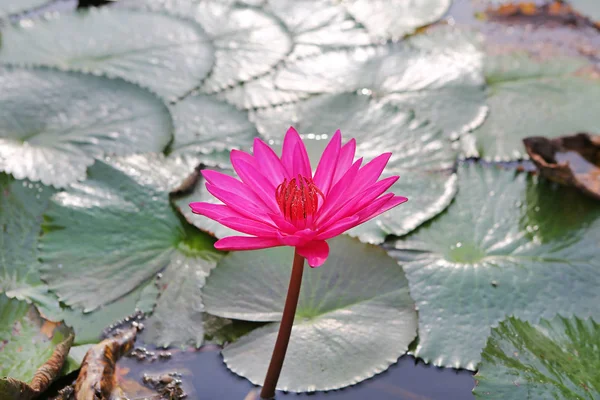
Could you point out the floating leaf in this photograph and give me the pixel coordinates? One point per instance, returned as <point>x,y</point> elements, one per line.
<point>499,250</point>
<point>169,55</point>
<point>396,18</point>
<point>352,321</point>
<point>204,125</point>
<point>590,8</point>
<point>553,359</point>
<point>438,74</point>
<point>9,7</point>
<point>53,124</point>
<point>33,350</point>
<point>110,235</point>
<point>528,98</point>
<point>22,204</point>
<point>569,160</point>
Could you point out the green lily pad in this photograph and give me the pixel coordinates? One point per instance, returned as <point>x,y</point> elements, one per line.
<point>499,250</point>
<point>53,124</point>
<point>439,75</point>
<point>28,343</point>
<point>589,8</point>
<point>9,7</point>
<point>22,204</point>
<point>395,18</point>
<point>354,319</point>
<point>204,125</point>
<point>166,54</point>
<point>528,98</point>
<point>316,25</point>
<point>554,359</point>
<point>109,236</point>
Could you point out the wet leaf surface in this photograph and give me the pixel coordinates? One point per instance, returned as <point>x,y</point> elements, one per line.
<point>499,250</point>
<point>571,160</point>
<point>554,358</point>
<point>130,234</point>
<point>347,329</point>
<point>166,54</point>
<point>9,7</point>
<point>32,352</point>
<point>53,124</point>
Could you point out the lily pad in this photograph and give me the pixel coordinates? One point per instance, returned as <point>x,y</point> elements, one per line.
<point>534,98</point>
<point>396,18</point>
<point>53,124</point>
<point>499,250</point>
<point>204,125</point>
<point>9,7</point>
<point>438,74</point>
<point>552,359</point>
<point>352,322</point>
<point>316,25</point>
<point>112,234</point>
<point>164,53</point>
<point>22,204</point>
<point>29,343</point>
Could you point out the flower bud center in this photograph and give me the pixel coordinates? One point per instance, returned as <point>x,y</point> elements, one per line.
<point>298,199</point>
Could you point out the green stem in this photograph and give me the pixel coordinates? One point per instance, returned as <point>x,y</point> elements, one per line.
<point>285,329</point>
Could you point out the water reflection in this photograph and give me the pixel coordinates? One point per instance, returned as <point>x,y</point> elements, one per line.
<point>206,377</point>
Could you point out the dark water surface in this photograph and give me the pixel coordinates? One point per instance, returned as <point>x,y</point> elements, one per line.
<point>205,377</point>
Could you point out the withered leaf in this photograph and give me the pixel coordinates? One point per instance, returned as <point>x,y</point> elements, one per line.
<point>568,160</point>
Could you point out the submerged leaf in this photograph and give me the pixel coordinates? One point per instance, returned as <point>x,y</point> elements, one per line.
<point>33,351</point>
<point>499,250</point>
<point>166,54</point>
<point>53,124</point>
<point>351,322</point>
<point>554,358</point>
<point>109,236</point>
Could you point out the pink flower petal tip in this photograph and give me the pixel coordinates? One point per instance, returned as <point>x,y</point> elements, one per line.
<point>279,201</point>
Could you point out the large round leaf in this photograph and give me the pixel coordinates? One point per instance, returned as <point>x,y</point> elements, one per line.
<point>112,234</point>
<point>169,55</point>
<point>438,74</point>
<point>396,18</point>
<point>499,250</point>
<point>53,124</point>
<point>555,359</point>
<point>378,126</point>
<point>8,7</point>
<point>22,204</point>
<point>354,317</point>
<point>204,125</point>
<point>28,343</point>
<point>534,98</point>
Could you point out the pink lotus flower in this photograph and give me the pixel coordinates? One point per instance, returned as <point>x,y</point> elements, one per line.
<point>279,202</point>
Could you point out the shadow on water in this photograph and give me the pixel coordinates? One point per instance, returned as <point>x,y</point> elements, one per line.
<point>206,377</point>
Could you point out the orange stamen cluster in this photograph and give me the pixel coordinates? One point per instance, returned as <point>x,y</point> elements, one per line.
<point>298,198</point>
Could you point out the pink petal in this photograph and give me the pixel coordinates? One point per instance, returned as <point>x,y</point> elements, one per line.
<point>361,200</point>
<point>232,185</point>
<point>289,154</point>
<point>344,161</point>
<point>256,182</point>
<point>336,195</point>
<point>339,227</point>
<point>315,252</point>
<point>238,204</point>
<point>380,206</point>
<point>246,243</point>
<point>299,238</point>
<point>369,174</point>
<point>270,164</point>
<point>213,211</point>
<point>240,155</point>
<point>327,165</point>
<point>249,226</point>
